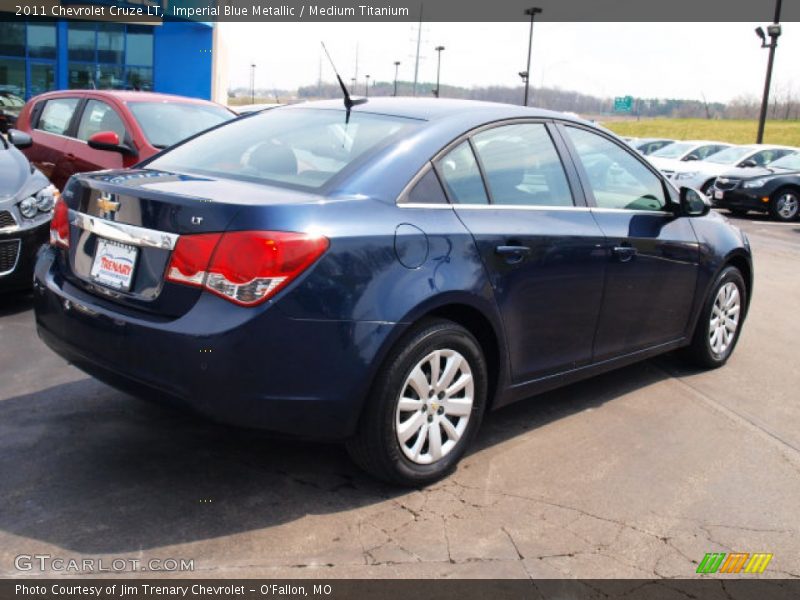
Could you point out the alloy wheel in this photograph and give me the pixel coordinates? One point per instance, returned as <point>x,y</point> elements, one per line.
<point>434,406</point>
<point>786,205</point>
<point>724,318</point>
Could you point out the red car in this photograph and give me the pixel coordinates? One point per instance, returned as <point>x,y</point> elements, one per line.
<point>75,131</point>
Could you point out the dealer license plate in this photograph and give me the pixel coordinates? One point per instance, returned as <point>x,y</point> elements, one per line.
<point>114,264</point>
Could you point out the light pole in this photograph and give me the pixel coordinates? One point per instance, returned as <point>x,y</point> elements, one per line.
<point>353,84</point>
<point>774,32</point>
<point>532,12</point>
<point>438,69</point>
<point>252,84</point>
<point>366,87</point>
<point>396,67</point>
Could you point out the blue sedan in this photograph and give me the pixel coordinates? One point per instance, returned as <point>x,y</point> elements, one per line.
<point>384,275</point>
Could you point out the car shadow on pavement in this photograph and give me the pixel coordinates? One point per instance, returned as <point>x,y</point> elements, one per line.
<point>12,303</point>
<point>94,471</point>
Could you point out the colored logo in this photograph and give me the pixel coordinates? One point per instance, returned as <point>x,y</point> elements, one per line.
<point>107,204</point>
<point>735,562</point>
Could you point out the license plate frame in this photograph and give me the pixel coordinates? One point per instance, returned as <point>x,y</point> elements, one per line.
<point>114,264</point>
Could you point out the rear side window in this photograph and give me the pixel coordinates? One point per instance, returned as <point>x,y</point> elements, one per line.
<point>522,166</point>
<point>298,147</point>
<point>57,115</point>
<point>462,177</point>
<point>616,177</point>
<point>99,116</point>
<point>427,190</point>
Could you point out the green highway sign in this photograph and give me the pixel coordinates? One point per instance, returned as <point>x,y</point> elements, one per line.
<point>623,104</point>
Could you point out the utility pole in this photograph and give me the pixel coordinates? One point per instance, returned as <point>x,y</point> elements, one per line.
<point>774,32</point>
<point>419,42</point>
<point>532,12</point>
<point>366,88</point>
<point>438,69</point>
<point>252,84</point>
<point>396,67</point>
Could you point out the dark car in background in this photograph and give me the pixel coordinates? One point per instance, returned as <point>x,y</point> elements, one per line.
<point>774,189</point>
<point>384,275</point>
<point>77,131</point>
<point>10,107</point>
<point>26,205</point>
<point>647,146</point>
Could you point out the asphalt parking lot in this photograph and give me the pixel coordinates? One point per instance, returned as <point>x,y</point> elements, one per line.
<point>637,473</point>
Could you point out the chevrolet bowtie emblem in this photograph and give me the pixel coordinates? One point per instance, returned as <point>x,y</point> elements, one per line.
<point>106,203</point>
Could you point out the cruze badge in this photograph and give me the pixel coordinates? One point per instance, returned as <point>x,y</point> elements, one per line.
<point>107,204</point>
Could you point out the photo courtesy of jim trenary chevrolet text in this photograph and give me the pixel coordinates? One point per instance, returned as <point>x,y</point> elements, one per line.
<point>432,299</point>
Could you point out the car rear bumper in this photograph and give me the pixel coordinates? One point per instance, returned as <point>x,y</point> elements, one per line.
<point>18,255</point>
<point>251,367</point>
<point>738,199</point>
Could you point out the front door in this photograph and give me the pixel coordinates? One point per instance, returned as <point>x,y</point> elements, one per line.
<point>651,254</point>
<point>542,251</point>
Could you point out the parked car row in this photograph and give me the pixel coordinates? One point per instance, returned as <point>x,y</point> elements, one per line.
<point>757,177</point>
<point>59,134</point>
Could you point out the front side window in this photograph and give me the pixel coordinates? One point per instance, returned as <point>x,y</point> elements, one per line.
<point>297,147</point>
<point>767,156</point>
<point>99,116</point>
<point>522,166</point>
<point>616,177</point>
<point>57,115</point>
<point>462,177</point>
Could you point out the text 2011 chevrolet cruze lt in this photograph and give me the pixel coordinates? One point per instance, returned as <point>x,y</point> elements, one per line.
<point>385,275</point>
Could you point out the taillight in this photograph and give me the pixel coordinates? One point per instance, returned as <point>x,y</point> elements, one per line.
<point>59,225</point>
<point>245,267</point>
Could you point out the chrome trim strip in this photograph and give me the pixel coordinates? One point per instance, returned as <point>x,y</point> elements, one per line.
<point>534,207</point>
<point>16,260</point>
<point>121,232</point>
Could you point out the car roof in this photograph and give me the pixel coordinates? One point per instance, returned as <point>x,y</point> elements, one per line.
<point>432,109</point>
<point>125,96</point>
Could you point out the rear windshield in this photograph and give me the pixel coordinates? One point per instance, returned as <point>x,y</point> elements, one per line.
<point>296,147</point>
<point>167,123</point>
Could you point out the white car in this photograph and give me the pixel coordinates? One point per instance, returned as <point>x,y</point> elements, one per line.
<point>702,174</point>
<point>675,157</point>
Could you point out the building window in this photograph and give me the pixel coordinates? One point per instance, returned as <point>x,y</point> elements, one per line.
<point>110,43</point>
<point>12,76</point>
<point>43,78</point>
<point>12,39</point>
<point>81,41</point>
<point>140,78</point>
<point>42,40</point>
<point>139,49</point>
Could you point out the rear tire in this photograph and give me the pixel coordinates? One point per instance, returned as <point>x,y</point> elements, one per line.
<point>425,407</point>
<point>720,321</point>
<point>784,205</point>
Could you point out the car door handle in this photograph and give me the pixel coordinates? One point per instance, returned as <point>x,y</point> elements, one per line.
<point>624,253</point>
<point>513,254</point>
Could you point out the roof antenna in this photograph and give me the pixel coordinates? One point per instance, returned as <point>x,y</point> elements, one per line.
<point>348,101</point>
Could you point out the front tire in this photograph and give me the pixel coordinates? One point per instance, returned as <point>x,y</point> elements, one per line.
<point>720,322</point>
<point>785,205</point>
<point>425,408</point>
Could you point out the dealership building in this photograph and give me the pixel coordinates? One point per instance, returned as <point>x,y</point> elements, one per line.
<point>171,57</point>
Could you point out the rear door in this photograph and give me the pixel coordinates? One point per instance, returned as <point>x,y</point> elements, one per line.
<point>651,255</point>
<point>50,133</point>
<point>539,243</point>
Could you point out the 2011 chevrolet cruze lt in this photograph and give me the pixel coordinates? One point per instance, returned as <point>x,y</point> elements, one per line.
<point>385,275</point>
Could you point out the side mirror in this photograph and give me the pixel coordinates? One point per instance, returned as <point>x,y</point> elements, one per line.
<point>20,139</point>
<point>108,140</point>
<point>748,163</point>
<point>694,203</point>
<point>692,157</point>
